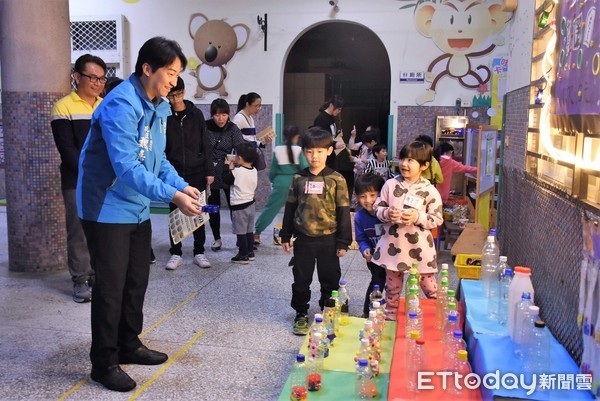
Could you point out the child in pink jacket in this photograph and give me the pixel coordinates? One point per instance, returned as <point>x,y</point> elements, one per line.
<point>410,207</point>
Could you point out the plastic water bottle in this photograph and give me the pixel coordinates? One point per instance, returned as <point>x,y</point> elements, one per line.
<point>538,350</point>
<point>450,326</point>
<point>344,298</point>
<point>365,387</point>
<point>450,352</point>
<point>338,309</point>
<point>505,280</point>
<point>524,326</point>
<point>521,283</point>
<point>453,309</point>
<point>451,297</point>
<point>416,364</point>
<point>520,308</point>
<point>441,305</point>
<point>489,259</point>
<point>412,299</point>
<point>377,318</point>
<point>375,296</point>
<point>413,324</point>
<point>414,305</point>
<point>494,294</point>
<point>409,357</point>
<point>413,272</point>
<point>315,363</point>
<point>462,367</point>
<point>444,271</point>
<point>298,380</point>
<point>364,352</point>
<point>319,327</point>
<point>329,322</point>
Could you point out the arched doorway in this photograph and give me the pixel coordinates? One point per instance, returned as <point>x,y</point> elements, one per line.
<point>338,58</point>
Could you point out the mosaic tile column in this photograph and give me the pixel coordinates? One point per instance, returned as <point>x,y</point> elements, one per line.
<point>35,56</point>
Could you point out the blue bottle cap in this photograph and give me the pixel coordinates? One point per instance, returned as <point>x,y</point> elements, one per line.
<point>300,358</point>
<point>342,282</point>
<point>412,315</point>
<point>376,287</point>
<point>319,320</point>
<point>452,317</point>
<point>363,362</point>
<point>526,295</point>
<point>458,333</point>
<point>508,272</point>
<point>493,231</point>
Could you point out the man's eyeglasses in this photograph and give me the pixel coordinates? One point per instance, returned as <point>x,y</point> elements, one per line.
<point>176,95</point>
<point>95,80</point>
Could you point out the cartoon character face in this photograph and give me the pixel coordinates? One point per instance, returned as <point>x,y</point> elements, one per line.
<point>460,27</point>
<point>215,42</point>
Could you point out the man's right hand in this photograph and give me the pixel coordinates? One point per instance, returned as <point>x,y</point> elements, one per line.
<point>286,246</point>
<point>188,205</point>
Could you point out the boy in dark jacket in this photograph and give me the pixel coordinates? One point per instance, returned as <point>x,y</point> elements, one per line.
<point>189,151</point>
<point>317,213</point>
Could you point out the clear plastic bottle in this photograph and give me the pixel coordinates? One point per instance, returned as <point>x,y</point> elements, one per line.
<point>416,364</point>
<point>494,294</point>
<point>538,350</point>
<point>444,270</point>
<point>298,380</point>
<point>329,322</point>
<point>338,309</point>
<point>409,357</point>
<point>413,273</point>
<point>375,296</point>
<point>315,363</point>
<point>412,299</point>
<point>364,352</point>
<point>344,298</point>
<point>450,349</point>
<point>489,260</point>
<point>316,327</point>
<point>451,297</point>
<point>520,308</point>
<point>377,318</point>
<point>451,324</point>
<point>365,387</point>
<point>413,324</point>
<point>414,305</point>
<point>452,309</point>
<point>521,283</point>
<point>463,367</point>
<point>441,305</point>
<point>505,280</point>
<point>524,328</point>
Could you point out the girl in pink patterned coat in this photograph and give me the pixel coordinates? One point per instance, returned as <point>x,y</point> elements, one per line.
<point>410,207</point>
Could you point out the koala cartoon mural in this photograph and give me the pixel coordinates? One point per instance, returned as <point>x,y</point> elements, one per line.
<point>460,28</point>
<point>215,43</point>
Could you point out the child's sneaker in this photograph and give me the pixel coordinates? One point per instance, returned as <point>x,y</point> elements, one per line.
<point>251,256</point>
<point>243,260</point>
<point>300,325</point>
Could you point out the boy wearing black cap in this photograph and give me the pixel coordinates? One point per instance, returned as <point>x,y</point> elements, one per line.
<point>189,151</point>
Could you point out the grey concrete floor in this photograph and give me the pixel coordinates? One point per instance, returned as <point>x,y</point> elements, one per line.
<point>227,329</point>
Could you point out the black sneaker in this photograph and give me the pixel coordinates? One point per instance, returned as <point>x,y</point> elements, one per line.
<point>152,257</point>
<point>243,260</point>
<point>251,256</point>
<point>300,324</point>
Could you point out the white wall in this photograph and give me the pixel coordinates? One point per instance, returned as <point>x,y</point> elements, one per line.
<point>252,69</point>
<point>519,45</point>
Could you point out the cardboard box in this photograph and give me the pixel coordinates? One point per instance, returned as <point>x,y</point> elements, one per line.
<point>471,240</point>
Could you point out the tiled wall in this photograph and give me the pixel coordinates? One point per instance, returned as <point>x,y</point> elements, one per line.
<point>420,120</point>
<point>37,238</point>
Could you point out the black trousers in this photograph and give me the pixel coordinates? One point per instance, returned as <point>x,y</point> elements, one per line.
<point>377,277</point>
<point>199,238</point>
<point>215,218</point>
<point>119,255</point>
<point>307,250</point>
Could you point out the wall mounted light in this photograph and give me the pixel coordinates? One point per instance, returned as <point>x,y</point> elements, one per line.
<point>263,25</point>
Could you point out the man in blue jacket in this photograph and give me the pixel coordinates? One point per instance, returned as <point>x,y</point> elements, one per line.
<point>122,168</point>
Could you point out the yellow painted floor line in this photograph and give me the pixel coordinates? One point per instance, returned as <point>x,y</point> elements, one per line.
<point>70,391</point>
<point>166,366</point>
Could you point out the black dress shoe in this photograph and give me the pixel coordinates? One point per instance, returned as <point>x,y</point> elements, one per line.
<point>143,356</point>
<point>113,378</point>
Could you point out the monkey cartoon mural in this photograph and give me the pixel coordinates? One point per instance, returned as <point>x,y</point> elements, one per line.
<point>215,43</point>
<point>461,29</point>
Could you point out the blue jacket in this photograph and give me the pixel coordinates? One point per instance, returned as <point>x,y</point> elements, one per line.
<point>366,231</point>
<point>122,157</point>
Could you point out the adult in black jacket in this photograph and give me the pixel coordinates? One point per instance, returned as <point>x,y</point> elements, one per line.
<point>190,152</point>
<point>326,119</point>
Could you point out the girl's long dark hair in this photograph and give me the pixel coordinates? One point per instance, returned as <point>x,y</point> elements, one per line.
<point>289,133</point>
<point>245,99</point>
<point>336,100</point>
